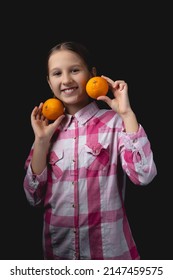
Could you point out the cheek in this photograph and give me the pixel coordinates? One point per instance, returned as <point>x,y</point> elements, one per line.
<point>53,85</point>
<point>84,82</point>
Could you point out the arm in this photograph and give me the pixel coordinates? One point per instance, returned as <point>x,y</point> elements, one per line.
<point>43,133</point>
<point>135,149</point>
<point>36,164</point>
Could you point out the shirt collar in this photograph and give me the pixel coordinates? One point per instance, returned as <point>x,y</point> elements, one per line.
<point>82,116</point>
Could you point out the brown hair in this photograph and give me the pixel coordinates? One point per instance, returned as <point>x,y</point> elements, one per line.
<point>75,47</point>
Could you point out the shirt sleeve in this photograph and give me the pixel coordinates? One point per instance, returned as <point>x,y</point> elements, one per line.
<point>35,186</point>
<point>137,157</point>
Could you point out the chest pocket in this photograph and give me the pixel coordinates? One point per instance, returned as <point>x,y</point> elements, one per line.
<point>96,156</point>
<point>55,161</point>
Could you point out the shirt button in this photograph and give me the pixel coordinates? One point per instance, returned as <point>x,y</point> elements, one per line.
<point>33,177</point>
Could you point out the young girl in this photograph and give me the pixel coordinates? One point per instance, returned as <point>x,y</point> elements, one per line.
<point>77,165</point>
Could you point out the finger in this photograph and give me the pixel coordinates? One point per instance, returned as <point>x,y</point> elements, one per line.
<point>110,82</point>
<point>34,111</point>
<point>119,85</point>
<point>58,120</point>
<point>41,105</point>
<point>105,99</point>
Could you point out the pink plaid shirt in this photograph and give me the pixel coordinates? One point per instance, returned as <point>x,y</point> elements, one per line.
<point>82,187</point>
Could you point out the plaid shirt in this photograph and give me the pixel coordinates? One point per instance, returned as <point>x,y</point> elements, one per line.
<point>82,187</point>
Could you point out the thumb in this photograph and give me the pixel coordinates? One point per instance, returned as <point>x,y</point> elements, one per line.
<point>106,99</point>
<point>57,122</point>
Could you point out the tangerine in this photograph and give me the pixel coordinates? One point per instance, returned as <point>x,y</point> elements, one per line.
<point>52,108</point>
<point>97,86</point>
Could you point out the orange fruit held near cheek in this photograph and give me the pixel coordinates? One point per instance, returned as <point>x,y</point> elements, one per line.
<point>52,109</point>
<point>97,86</point>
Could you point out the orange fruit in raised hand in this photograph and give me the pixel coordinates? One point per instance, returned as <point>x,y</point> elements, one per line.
<point>52,108</point>
<point>97,86</point>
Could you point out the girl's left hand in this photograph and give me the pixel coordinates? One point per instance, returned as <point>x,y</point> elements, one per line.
<point>120,103</point>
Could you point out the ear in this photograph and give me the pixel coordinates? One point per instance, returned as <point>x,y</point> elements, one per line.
<point>49,82</point>
<point>94,71</point>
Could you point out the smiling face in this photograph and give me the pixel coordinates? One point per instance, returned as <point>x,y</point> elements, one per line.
<point>67,78</point>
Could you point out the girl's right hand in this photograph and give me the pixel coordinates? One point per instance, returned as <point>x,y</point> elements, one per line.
<point>41,126</point>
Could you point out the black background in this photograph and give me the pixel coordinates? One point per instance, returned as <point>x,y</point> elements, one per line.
<point>130,42</point>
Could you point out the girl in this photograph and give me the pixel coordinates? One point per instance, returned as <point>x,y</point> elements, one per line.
<point>77,165</point>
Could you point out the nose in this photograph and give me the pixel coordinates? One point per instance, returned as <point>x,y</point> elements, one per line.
<point>66,78</point>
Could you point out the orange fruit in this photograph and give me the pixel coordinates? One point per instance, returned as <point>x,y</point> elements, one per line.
<point>52,108</point>
<point>97,86</point>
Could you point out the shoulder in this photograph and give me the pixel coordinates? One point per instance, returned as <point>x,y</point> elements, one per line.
<point>109,117</point>
<point>107,114</point>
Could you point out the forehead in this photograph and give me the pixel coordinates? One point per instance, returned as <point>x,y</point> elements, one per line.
<point>62,58</point>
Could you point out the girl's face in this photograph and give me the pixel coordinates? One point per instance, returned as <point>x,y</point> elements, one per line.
<point>67,79</point>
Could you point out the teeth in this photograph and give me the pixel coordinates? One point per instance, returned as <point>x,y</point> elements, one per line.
<point>68,90</point>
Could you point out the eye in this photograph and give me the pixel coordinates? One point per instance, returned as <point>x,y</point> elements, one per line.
<point>56,73</point>
<point>75,70</point>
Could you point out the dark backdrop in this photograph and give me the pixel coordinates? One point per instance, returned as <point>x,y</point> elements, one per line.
<point>130,43</point>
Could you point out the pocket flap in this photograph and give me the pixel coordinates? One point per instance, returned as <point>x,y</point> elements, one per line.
<point>54,157</point>
<point>95,149</point>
